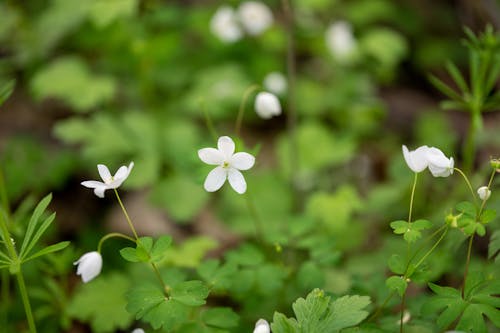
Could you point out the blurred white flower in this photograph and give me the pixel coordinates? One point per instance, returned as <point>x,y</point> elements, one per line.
<point>439,164</point>
<point>110,182</point>
<point>340,39</point>
<point>484,193</point>
<point>255,17</point>
<point>262,326</point>
<point>267,105</point>
<point>416,159</point>
<point>228,165</point>
<point>138,330</point>
<point>276,83</point>
<point>89,265</point>
<point>224,25</point>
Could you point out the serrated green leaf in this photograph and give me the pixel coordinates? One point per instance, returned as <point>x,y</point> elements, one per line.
<point>421,225</point>
<point>400,227</point>
<point>347,311</point>
<point>217,276</point>
<point>472,320</point>
<point>220,317</point>
<point>49,249</point>
<point>190,293</point>
<point>282,324</point>
<point>488,215</point>
<point>397,264</point>
<point>129,254</point>
<point>160,247</point>
<point>467,208</point>
<point>397,283</point>
<point>100,303</point>
<point>40,208</point>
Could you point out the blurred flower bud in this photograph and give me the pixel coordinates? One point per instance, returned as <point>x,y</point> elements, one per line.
<point>484,193</point>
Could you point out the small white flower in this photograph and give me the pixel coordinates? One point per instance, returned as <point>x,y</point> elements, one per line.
<point>228,165</point>
<point>110,182</point>
<point>484,193</point>
<point>267,105</point>
<point>262,326</point>
<point>416,159</point>
<point>439,164</point>
<point>224,25</point>
<point>340,39</point>
<point>276,83</point>
<point>255,17</point>
<point>138,330</point>
<point>89,265</point>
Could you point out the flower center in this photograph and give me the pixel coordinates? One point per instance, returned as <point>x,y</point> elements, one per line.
<point>225,165</point>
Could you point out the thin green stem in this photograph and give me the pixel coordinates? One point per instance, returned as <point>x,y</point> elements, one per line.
<point>467,182</point>
<point>209,123</point>
<point>26,301</point>
<point>412,196</point>
<point>126,215</point>
<point>255,217</point>
<point>241,111</point>
<point>158,275</point>
<point>403,301</point>
<point>469,151</point>
<point>484,201</point>
<point>469,250</point>
<point>5,297</point>
<point>111,235</point>
<point>432,249</point>
<point>379,309</point>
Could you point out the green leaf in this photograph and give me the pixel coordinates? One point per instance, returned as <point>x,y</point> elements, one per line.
<point>445,89</point>
<point>49,249</point>
<point>494,246</point>
<point>220,317</point>
<point>217,276</point>
<point>129,254</point>
<point>457,76</point>
<point>488,215</point>
<point>6,90</point>
<point>143,249</point>
<point>40,208</point>
<point>467,208</point>
<point>397,264</point>
<point>100,303</point>
<point>45,224</point>
<point>245,255</point>
<point>282,324</point>
<point>190,252</point>
<point>397,283</point>
<point>190,293</point>
<point>400,227</point>
<point>103,13</point>
<point>159,248</point>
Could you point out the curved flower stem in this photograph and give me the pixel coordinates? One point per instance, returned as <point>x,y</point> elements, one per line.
<point>241,111</point>
<point>379,309</point>
<point>412,196</point>
<point>467,182</point>
<point>126,215</point>
<point>431,249</point>
<point>469,250</point>
<point>209,123</point>
<point>402,313</point>
<point>255,217</point>
<point>111,235</point>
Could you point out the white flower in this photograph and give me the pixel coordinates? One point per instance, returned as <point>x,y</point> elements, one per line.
<point>484,193</point>
<point>276,83</point>
<point>228,165</point>
<point>439,164</point>
<point>138,330</point>
<point>110,182</point>
<point>267,105</point>
<point>89,265</point>
<point>255,17</point>
<point>416,159</point>
<point>224,25</point>
<point>262,326</point>
<point>340,39</point>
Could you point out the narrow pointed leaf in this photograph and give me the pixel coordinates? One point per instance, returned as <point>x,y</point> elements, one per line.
<point>49,249</point>
<point>457,76</point>
<point>40,208</point>
<point>46,223</point>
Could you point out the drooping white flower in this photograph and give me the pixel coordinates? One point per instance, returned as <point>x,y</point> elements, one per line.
<point>255,17</point>
<point>276,83</point>
<point>89,265</point>
<point>110,182</point>
<point>228,165</point>
<point>340,39</point>
<point>267,105</point>
<point>262,326</point>
<point>439,164</point>
<point>224,25</point>
<point>484,193</point>
<point>416,159</point>
<point>138,330</point>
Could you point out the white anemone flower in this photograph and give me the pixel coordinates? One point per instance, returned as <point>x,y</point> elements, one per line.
<point>138,330</point>
<point>439,164</point>
<point>110,182</point>
<point>340,39</point>
<point>484,193</point>
<point>267,105</point>
<point>262,326</point>
<point>255,17</point>
<point>224,25</point>
<point>416,159</point>
<point>276,83</point>
<point>228,165</point>
<point>89,265</point>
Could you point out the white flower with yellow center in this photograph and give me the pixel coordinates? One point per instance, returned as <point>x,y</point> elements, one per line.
<point>109,182</point>
<point>228,164</point>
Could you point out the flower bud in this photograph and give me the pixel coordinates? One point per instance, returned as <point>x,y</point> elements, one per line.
<point>89,265</point>
<point>452,220</point>
<point>495,164</point>
<point>484,193</point>
<point>267,105</point>
<point>262,326</point>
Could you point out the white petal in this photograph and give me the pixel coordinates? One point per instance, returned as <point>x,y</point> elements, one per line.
<point>237,181</point>
<point>92,184</point>
<point>104,172</point>
<point>226,146</point>
<point>267,105</point>
<point>255,17</point>
<point>417,159</point>
<point>211,156</point>
<point>242,161</point>
<point>122,173</point>
<point>262,326</point>
<point>215,179</point>
<point>484,192</point>
<point>99,191</point>
<point>89,265</point>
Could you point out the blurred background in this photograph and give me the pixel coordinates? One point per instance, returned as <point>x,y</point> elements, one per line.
<point>128,80</point>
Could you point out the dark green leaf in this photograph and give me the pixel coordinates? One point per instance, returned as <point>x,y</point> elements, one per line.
<point>159,248</point>
<point>397,283</point>
<point>40,208</point>
<point>457,76</point>
<point>49,249</point>
<point>467,208</point>
<point>494,246</point>
<point>143,250</point>
<point>46,223</point>
<point>190,293</point>
<point>220,317</point>
<point>488,215</point>
<point>129,254</point>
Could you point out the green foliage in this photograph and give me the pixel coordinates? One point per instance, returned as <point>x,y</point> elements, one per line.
<point>101,303</point>
<point>6,90</point>
<point>317,313</point>
<point>220,317</point>
<point>69,80</point>
<point>397,283</point>
<point>147,250</point>
<point>494,246</point>
<point>411,231</point>
<point>190,252</point>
